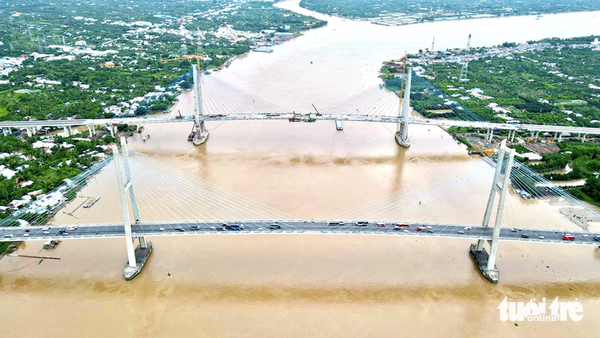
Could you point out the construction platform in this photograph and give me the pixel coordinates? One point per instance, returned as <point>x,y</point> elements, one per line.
<point>141,256</point>
<point>481,260</point>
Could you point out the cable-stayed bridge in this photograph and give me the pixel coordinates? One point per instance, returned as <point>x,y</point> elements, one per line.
<point>514,203</point>
<point>491,201</point>
<point>215,100</point>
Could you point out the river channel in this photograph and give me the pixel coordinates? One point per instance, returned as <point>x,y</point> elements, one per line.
<point>307,286</point>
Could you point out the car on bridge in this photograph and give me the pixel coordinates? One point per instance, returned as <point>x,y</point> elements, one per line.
<point>381,225</point>
<point>362,223</point>
<point>597,238</point>
<point>275,226</point>
<point>524,236</point>
<point>401,226</point>
<point>233,226</point>
<point>195,227</point>
<point>568,237</point>
<point>335,223</point>
<point>421,229</point>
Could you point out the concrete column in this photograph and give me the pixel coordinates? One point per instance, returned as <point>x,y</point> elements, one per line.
<point>126,221</point>
<point>129,184</point>
<point>93,129</point>
<point>201,132</point>
<point>6,131</point>
<point>112,130</point>
<point>560,137</point>
<point>90,130</point>
<point>490,205</point>
<point>129,179</point>
<point>512,139</point>
<point>496,235</point>
<point>583,138</point>
<point>536,135</point>
<point>67,131</point>
<point>402,137</point>
<point>29,133</point>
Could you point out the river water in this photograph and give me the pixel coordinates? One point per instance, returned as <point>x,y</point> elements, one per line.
<point>299,286</point>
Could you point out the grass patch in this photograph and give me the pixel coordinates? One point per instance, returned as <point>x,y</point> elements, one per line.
<point>520,149</point>
<point>4,246</point>
<point>3,111</point>
<point>583,196</point>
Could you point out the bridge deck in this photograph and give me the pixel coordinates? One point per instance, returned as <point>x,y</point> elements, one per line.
<point>289,227</point>
<point>286,116</point>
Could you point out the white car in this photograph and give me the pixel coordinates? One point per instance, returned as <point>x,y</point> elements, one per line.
<point>468,228</point>
<point>261,229</point>
<point>25,235</point>
<point>161,229</point>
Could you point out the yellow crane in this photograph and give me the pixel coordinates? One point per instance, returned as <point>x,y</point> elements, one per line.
<point>195,56</point>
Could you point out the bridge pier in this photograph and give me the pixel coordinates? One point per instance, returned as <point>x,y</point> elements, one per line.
<point>484,261</point>
<point>6,131</point>
<point>67,131</point>
<point>402,133</point>
<point>560,136</point>
<point>136,258</point>
<point>91,130</point>
<point>583,138</point>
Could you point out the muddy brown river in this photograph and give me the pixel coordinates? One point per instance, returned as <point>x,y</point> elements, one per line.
<point>300,285</point>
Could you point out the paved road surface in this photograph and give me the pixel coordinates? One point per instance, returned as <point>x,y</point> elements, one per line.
<point>288,227</point>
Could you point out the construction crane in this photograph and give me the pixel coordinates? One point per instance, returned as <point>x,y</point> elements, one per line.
<point>189,57</point>
<point>317,111</point>
<point>463,72</point>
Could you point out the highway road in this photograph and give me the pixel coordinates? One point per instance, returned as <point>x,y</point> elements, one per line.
<point>318,227</point>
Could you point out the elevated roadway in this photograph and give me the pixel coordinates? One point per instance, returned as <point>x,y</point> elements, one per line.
<point>533,128</point>
<point>314,227</point>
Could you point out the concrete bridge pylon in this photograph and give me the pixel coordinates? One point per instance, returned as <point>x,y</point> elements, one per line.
<point>402,134</point>
<point>487,262</point>
<point>138,257</point>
